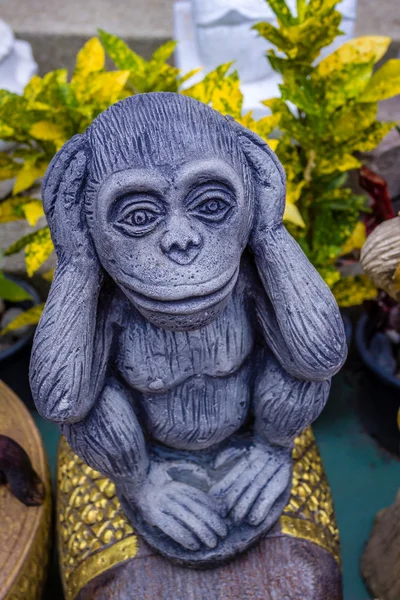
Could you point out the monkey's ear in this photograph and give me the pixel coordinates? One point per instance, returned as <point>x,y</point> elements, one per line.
<point>62,190</point>
<point>268,175</point>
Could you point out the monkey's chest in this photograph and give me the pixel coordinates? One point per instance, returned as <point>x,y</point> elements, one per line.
<point>200,412</point>
<point>154,361</point>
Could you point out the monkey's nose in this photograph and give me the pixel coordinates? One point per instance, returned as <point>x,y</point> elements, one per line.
<point>181,249</point>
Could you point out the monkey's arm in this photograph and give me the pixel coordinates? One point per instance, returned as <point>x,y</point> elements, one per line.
<point>283,406</point>
<point>67,364</point>
<point>300,318</point>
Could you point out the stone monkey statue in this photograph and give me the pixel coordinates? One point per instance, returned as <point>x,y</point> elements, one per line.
<point>186,339</point>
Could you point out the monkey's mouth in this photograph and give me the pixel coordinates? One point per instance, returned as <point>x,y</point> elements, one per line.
<point>189,305</point>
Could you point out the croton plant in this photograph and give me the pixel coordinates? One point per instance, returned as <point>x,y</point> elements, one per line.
<point>325,116</point>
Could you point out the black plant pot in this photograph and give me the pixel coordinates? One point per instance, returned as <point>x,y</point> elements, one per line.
<point>14,361</point>
<point>348,327</point>
<point>379,408</point>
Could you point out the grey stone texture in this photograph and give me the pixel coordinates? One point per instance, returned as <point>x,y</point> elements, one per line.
<point>150,18</point>
<point>186,339</point>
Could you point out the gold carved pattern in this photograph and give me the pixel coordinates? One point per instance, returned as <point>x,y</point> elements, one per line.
<point>309,513</point>
<point>94,534</point>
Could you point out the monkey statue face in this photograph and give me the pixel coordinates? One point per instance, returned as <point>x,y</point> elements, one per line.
<point>169,222</point>
<point>172,237</point>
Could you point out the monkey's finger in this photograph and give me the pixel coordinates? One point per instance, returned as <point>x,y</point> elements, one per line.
<point>221,487</point>
<point>227,456</point>
<point>269,495</point>
<point>191,521</point>
<point>216,505</point>
<point>244,482</point>
<point>249,495</point>
<point>205,513</point>
<point>176,530</point>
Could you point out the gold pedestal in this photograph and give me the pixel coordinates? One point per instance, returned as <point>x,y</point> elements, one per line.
<point>94,534</point>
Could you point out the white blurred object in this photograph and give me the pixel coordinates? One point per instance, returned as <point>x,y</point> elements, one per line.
<point>17,66</point>
<point>213,32</point>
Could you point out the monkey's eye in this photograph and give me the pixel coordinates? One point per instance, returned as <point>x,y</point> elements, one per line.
<point>213,209</point>
<point>138,218</point>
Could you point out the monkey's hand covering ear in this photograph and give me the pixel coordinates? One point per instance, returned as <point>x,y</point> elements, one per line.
<point>301,320</point>
<point>66,389</point>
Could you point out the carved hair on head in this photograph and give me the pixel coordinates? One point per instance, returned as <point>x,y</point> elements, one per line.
<point>155,129</point>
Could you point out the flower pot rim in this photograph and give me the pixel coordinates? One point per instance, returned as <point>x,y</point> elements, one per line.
<point>367,357</point>
<point>27,337</point>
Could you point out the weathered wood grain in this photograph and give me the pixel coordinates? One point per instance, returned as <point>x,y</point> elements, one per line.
<point>279,568</point>
<point>24,530</point>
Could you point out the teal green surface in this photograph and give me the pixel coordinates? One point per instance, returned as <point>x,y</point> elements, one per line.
<point>363,477</point>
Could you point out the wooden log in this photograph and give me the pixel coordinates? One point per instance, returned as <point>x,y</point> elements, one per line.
<point>24,522</point>
<point>380,563</point>
<point>103,559</point>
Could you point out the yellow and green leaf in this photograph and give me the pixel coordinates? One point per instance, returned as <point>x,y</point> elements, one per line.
<point>38,250</point>
<point>11,291</point>
<point>360,50</point>
<point>33,211</point>
<point>28,174</point>
<point>90,59</point>
<point>29,317</point>
<point>356,240</point>
<point>385,83</point>
<point>292,215</point>
<point>354,290</point>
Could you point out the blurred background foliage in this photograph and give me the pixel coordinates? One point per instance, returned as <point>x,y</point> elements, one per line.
<point>325,117</point>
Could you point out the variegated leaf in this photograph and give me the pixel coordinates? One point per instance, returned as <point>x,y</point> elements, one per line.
<point>29,317</point>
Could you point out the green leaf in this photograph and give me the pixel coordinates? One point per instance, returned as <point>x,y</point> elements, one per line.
<point>11,291</point>
<point>6,132</point>
<point>38,250</point>
<point>123,57</point>
<point>301,6</point>
<point>29,317</point>
<point>292,215</point>
<point>274,35</point>
<point>24,241</point>
<point>90,59</point>
<point>341,161</point>
<point>313,34</point>
<point>8,167</point>
<point>352,119</point>
<point>330,275</point>
<point>204,90</point>
<point>351,291</point>
<point>164,52</point>
<point>361,50</point>
<point>371,137</point>
<point>33,211</point>
<point>320,7</point>
<point>16,208</point>
<point>300,91</point>
<point>30,172</point>
<point>385,83</point>
<point>343,85</point>
<point>282,12</point>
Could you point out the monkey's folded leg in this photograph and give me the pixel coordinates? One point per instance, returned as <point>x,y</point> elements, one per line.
<point>110,439</point>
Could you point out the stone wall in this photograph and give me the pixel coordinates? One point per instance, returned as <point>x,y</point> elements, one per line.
<point>149,18</point>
